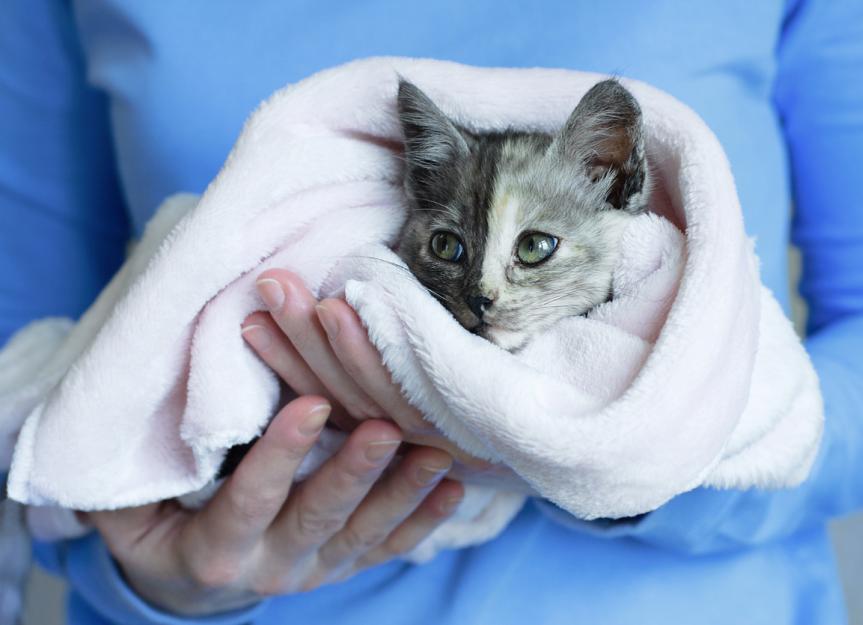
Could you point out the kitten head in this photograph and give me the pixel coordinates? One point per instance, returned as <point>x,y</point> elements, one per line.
<point>513,231</point>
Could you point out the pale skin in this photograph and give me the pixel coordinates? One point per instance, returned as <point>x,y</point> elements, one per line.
<point>261,535</point>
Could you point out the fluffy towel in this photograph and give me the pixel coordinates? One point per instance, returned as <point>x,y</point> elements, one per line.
<point>690,376</point>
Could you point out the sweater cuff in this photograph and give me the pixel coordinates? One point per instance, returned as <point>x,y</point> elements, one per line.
<point>95,576</point>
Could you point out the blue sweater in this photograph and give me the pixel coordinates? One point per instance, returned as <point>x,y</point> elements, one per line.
<point>108,106</point>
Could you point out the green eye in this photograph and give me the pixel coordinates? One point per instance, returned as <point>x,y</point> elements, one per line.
<point>535,247</point>
<point>446,245</point>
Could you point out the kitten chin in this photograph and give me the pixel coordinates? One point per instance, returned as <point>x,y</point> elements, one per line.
<point>511,341</point>
<point>512,231</point>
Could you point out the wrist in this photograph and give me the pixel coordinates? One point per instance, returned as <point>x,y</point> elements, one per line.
<point>98,580</point>
<point>182,597</point>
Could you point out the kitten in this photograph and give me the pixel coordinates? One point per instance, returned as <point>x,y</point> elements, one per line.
<point>512,230</point>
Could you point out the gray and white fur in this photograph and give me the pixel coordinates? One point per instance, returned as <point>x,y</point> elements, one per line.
<point>511,230</point>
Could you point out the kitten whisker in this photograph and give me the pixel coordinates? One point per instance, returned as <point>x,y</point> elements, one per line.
<point>555,298</point>
<point>406,270</point>
<point>564,306</point>
<point>380,260</point>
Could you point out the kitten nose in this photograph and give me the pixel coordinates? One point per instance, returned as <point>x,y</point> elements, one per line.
<point>478,304</point>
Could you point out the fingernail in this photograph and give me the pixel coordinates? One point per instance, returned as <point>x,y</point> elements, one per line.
<point>448,506</point>
<point>328,320</point>
<point>427,475</point>
<point>315,420</point>
<point>258,336</point>
<point>379,450</point>
<point>271,292</point>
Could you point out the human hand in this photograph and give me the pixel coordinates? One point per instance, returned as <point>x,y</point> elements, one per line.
<point>322,348</point>
<point>263,535</point>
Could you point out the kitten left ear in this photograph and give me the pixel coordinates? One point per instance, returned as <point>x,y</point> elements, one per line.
<point>604,135</point>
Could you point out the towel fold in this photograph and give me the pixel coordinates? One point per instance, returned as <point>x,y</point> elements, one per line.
<point>690,376</point>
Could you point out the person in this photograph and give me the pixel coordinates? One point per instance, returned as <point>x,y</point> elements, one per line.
<point>109,106</point>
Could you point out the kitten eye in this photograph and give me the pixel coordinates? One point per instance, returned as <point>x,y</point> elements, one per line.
<point>535,247</point>
<point>446,245</point>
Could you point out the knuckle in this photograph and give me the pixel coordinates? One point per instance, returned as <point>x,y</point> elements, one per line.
<point>250,507</point>
<point>359,541</point>
<point>402,489</point>
<point>215,573</point>
<point>314,526</point>
<point>352,472</point>
<point>292,451</point>
<point>409,490</point>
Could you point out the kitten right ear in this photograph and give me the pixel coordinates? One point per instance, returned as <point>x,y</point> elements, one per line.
<point>433,144</point>
<point>604,136</point>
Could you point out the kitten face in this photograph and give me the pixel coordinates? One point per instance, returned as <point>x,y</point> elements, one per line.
<point>513,231</point>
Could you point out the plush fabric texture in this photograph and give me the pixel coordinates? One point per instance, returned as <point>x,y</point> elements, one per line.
<point>691,376</point>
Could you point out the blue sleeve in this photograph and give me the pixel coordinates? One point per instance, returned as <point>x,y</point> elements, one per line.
<point>819,95</point>
<point>63,226</point>
<point>63,231</point>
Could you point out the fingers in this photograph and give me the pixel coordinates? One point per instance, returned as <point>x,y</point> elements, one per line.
<point>389,503</point>
<point>434,510</point>
<point>361,360</point>
<point>293,308</point>
<point>275,349</point>
<point>243,508</point>
<point>322,504</point>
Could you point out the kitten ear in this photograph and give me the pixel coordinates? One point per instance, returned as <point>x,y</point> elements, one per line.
<point>604,135</point>
<point>433,144</point>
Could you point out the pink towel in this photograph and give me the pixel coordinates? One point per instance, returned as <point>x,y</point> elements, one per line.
<point>691,376</point>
